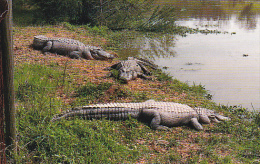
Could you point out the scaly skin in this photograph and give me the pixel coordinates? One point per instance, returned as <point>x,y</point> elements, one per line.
<point>70,47</point>
<point>160,115</point>
<point>132,68</point>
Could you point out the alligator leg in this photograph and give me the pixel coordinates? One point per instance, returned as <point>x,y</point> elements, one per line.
<point>75,54</point>
<point>117,65</point>
<point>195,123</point>
<point>87,55</point>
<point>47,48</point>
<point>215,120</point>
<point>156,120</point>
<point>104,55</point>
<point>96,56</point>
<point>204,119</point>
<point>144,69</point>
<point>145,77</point>
<point>221,118</point>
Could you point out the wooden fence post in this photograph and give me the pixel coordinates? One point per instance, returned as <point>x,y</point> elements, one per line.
<point>3,11</point>
<point>8,65</point>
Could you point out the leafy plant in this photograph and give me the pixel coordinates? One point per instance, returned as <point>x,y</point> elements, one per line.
<point>162,76</point>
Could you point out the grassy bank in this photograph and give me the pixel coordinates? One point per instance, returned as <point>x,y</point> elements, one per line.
<point>49,84</point>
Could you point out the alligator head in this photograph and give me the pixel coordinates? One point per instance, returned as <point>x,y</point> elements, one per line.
<point>126,75</point>
<point>207,116</point>
<point>39,41</point>
<point>100,54</point>
<point>129,70</point>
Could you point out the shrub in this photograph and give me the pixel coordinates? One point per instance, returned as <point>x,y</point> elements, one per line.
<point>115,14</point>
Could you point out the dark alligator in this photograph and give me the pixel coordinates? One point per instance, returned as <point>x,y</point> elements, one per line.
<point>160,115</point>
<point>132,68</point>
<point>70,47</point>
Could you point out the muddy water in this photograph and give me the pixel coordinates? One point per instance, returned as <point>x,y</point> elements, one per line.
<point>228,64</point>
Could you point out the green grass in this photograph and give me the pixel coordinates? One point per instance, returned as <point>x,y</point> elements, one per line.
<point>92,91</point>
<point>42,92</point>
<point>104,141</point>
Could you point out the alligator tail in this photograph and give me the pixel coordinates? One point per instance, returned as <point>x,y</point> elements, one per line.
<point>113,113</point>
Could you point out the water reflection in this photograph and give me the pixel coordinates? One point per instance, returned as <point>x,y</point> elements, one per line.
<point>218,10</point>
<point>204,10</point>
<point>216,61</point>
<point>150,46</point>
<point>247,17</point>
<point>208,14</point>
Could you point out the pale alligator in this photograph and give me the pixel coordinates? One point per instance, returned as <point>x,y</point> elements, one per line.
<point>160,115</point>
<point>132,68</point>
<point>70,47</point>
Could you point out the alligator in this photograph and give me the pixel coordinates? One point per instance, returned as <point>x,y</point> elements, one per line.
<point>70,47</point>
<point>132,68</point>
<point>160,115</point>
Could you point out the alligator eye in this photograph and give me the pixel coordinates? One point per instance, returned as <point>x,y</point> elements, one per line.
<point>211,116</point>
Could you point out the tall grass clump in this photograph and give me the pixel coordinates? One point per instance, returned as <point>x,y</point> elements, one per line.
<point>36,89</point>
<point>34,80</point>
<point>91,92</point>
<point>78,141</point>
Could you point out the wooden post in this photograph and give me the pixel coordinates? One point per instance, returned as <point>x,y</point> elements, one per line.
<point>3,11</point>
<point>2,127</point>
<point>7,64</point>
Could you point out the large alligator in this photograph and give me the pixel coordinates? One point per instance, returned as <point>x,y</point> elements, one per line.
<point>132,68</point>
<point>70,47</point>
<point>160,115</point>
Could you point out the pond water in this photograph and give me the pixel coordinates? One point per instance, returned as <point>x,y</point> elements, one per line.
<point>227,64</point>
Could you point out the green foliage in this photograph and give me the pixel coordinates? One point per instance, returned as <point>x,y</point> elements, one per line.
<point>257,119</point>
<point>54,11</point>
<point>26,90</point>
<point>104,141</point>
<point>162,76</point>
<point>34,80</point>
<point>161,20</point>
<point>116,75</point>
<point>141,96</point>
<point>78,141</point>
<point>38,91</point>
<point>102,31</point>
<point>115,14</point>
<point>244,124</point>
<point>92,91</point>
<point>193,90</point>
<point>140,15</point>
<point>117,92</point>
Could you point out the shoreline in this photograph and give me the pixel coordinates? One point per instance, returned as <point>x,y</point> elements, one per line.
<point>46,85</point>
